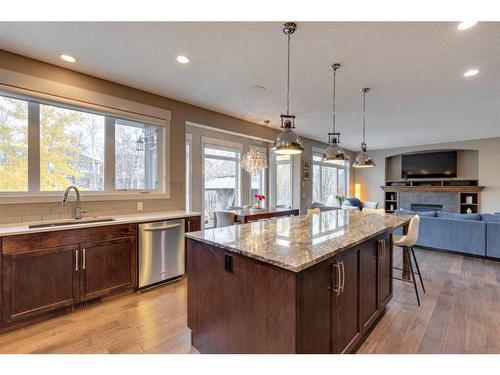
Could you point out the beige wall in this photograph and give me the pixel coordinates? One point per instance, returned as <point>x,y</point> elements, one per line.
<point>181,113</point>
<point>481,161</point>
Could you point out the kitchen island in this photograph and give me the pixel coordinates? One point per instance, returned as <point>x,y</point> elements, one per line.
<point>304,284</point>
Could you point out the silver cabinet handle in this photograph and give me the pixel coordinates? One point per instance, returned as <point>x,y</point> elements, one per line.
<point>385,249</point>
<point>343,277</point>
<point>162,228</point>
<point>189,225</point>
<point>76,260</point>
<point>339,279</point>
<point>83,264</point>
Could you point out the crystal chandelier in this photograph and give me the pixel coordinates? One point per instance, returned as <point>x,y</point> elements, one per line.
<point>254,161</point>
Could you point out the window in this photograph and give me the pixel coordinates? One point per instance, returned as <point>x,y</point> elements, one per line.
<point>222,179</point>
<point>13,145</point>
<point>329,181</point>
<point>283,180</point>
<point>93,151</point>
<point>188,171</point>
<point>258,182</point>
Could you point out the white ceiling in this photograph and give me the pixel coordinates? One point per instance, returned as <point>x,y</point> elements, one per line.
<point>415,70</point>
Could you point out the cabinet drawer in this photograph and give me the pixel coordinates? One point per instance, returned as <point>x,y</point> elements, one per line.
<point>34,241</point>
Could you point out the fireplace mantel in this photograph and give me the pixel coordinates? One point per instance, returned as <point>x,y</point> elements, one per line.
<point>456,189</point>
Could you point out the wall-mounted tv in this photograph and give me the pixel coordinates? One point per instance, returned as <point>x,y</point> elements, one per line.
<point>430,165</point>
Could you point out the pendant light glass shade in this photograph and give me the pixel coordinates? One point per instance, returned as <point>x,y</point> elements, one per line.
<point>334,153</point>
<point>288,143</point>
<point>363,160</point>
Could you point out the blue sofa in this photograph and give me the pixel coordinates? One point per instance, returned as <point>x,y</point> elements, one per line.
<point>466,233</point>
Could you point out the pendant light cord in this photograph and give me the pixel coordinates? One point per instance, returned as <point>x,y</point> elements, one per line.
<point>364,116</point>
<point>334,112</point>
<point>288,79</point>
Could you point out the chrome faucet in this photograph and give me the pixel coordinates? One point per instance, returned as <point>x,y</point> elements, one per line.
<point>78,210</point>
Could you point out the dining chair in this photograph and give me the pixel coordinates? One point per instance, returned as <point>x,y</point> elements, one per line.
<point>312,211</point>
<point>223,218</point>
<point>282,206</point>
<point>407,242</point>
<point>234,208</point>
<point>247,206</point>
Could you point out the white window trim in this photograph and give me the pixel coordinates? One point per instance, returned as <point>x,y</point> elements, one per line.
<point>346,167</point>
<point>209,141</point>
<point>188,201</point>
<point>35,98</point>
<point>274,187</point>
<point>264,175</point>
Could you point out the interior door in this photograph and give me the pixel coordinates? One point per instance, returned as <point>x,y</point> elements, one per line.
<point>39,282</point>
<point>346,288</point>
<point>107,267</point>
<point>370,283</point>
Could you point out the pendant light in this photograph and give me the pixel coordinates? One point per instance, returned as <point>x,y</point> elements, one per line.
<point>288,143</point>
<point>363,160</point>
<point>334,154</point>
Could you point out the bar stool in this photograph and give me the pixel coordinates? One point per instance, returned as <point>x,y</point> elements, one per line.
<point>407,242</point>
<point>223,218</point>
<point>313,211</point>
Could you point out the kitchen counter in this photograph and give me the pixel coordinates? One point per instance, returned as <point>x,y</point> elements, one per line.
<point>23,228</point>
<point>296,243</point>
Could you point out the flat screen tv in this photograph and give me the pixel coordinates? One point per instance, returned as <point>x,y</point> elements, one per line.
<point>430,165</point>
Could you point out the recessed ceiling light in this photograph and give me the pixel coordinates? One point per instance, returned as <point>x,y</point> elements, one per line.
<point>182,59</point>
<point>68,58</point>
<point>471,72</point>
<point>466,25</point>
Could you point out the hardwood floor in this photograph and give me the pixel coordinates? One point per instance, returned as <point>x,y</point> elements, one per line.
<point>459,314</point>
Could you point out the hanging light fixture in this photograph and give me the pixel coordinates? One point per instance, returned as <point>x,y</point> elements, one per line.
<point>288,143</point>
<point>254,161</point>
<point>334,154</point>
<point>363,160</point>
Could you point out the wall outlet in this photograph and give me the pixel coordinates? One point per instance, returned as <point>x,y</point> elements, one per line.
<point>140,206</point>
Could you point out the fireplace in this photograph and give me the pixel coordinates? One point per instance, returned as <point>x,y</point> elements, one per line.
<point>421,207</point>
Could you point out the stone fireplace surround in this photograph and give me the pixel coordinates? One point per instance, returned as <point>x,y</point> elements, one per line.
<point>448,200</point>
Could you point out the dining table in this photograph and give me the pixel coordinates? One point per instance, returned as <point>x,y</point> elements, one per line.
<point>251,214</point>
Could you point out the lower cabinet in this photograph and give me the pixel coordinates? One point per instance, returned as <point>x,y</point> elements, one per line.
<point>38,282</point>
<point>385,270</point>
<point>107,267</point>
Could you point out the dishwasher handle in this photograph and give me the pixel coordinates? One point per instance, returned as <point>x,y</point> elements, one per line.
<point>166,227</point>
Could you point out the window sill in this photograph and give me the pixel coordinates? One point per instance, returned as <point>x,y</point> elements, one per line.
<point>17,198</point>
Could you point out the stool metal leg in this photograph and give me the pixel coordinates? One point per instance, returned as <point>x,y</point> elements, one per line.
<point>418,269</point>
<point>407,252</point>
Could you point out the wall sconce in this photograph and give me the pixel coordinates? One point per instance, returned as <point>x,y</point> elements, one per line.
<point>357,190</point>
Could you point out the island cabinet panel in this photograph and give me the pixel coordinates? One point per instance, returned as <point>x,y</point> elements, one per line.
<point>35,283</point>
<point>370,284</point>
<point>237,304</point>
<point>107,267</point>
<point>193,224</point>
<point>346,312</point>
<point>385,264</point>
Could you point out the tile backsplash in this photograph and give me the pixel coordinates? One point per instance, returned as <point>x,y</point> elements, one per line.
<point>27,212</point>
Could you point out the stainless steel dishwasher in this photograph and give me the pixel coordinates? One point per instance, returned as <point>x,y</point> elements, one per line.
<point>161,252</point>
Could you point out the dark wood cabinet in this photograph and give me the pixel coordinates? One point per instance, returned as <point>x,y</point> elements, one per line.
<point>38,282</point>
<point>107,267</point>
<point>385,270</point>
<point>40,279</point>
<point>193,224</point>
<point>329,307</point>
<point>346,288</point>
<point>370,284</point>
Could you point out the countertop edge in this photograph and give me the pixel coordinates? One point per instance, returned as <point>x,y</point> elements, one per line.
<point>279,264</point>
<point>120,219</point>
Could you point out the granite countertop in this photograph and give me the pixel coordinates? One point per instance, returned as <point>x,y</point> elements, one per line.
<point>298,242</point>
<point>23,228</point>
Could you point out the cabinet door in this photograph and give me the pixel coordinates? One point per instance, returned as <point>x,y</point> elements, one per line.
<point>346,309</point>
<point>385,270</point>
<point>369,284</point>
<point>193,224</point>
<point>107,267</point>
<point>38,282</point>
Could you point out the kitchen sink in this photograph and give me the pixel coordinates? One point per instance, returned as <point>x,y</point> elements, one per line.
<point>70,222</point>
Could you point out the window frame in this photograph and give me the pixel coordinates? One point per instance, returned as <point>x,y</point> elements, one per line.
<point>321,164</point>
<point>263,175</point>
<point>34,195</point>
<point>207,142</point>
<point>274,178</point>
